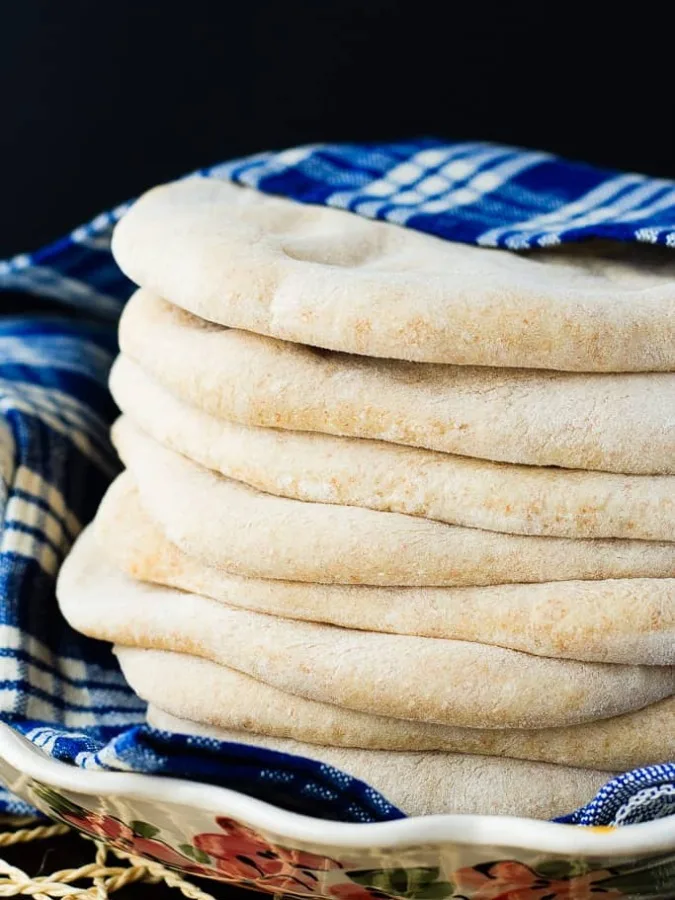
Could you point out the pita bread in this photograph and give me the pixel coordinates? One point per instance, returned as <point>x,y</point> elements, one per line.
<point>629,621</point>
<point>229,524</point>
<point>424,679</point>
<point>615,423</point>
<point>320,468</point>
<point>332,279</point>
<point>425,784</point>
<point>201,691</point>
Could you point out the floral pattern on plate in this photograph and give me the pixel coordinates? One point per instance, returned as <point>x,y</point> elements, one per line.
<point>235,853</point>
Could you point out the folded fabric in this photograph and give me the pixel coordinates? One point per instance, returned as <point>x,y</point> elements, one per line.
<point>54,400</point>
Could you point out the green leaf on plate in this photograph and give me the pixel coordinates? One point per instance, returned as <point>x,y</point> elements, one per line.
<point>414,883</point>
<point>436,891</point>
<point>194,853</point>
<point>560,869</point>
<point>143,829</point>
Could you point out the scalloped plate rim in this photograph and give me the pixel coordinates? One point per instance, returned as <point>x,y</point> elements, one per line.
<point>644,839</point>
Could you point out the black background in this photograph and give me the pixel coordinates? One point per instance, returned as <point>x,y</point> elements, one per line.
<point>101,100</point>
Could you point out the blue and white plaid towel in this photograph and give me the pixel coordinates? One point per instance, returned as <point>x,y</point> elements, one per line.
<point>64,691</point>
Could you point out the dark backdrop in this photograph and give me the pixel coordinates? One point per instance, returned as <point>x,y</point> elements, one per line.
<point>102,99</point>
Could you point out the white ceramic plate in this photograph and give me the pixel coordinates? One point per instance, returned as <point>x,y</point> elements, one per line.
<point>218,833</point>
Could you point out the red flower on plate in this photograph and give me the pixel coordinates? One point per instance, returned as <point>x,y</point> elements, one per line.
<point>124,837</point>
<point>242,854</point>
<point>98,825</point>
<point>162,853</point>
<point>511,880</point>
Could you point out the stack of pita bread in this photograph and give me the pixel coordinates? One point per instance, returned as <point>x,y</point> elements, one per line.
<point>401,505</point>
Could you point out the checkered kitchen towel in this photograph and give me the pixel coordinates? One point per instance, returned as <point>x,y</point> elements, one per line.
<point>65,692</point>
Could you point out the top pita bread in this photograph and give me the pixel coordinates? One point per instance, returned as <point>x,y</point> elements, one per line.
<point>614,423</point>
<point>331,279</point>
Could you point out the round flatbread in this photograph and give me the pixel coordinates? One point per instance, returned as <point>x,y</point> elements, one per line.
<point>614,423</point>
<point>424,679</point>
<point>425,784</point>
<point>321,468</point>
<point>630,621</point>
<point>202,691</point>
<point>229,524</point>
<point>326,277</point>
